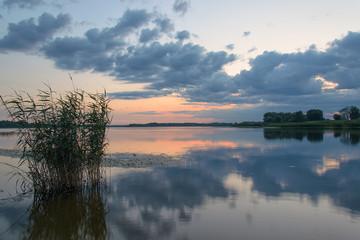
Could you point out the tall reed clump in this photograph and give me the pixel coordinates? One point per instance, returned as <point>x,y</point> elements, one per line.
<point>63,138</point>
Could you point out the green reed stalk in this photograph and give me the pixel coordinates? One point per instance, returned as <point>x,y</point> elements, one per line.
<point>63,139</point>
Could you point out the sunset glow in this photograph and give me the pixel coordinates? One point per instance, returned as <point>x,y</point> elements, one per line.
<point>327,84</point>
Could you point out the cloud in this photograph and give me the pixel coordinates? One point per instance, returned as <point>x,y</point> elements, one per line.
<point>141,47</point>
<point>131,19</point>
<point>80,54</point>
<point>230,46</point>
<point>148,35</point>
<point>26,34</point>
<point>246,34</point>
<point>146,113</point>
<point>169,65</point>
<point>297,73</point>
<point>181,6</point>
<point>274,79</point>
<point>133,95</point>
<point>184,112</point>
<point>253,49</point>
<point>164,65</point>
<point>289,80</point>
<point>218,88</point>
<point>164,24</point>
<point>183,35</point>
<point>284,74</point>
<point>347,53</point>
<point>96,50</point>
<point>22,3</point>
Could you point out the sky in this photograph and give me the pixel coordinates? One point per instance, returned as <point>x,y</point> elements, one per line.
<point>186,60</point>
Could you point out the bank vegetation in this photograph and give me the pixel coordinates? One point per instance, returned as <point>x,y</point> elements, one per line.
<point>64,146</point>
<point>348,117</point>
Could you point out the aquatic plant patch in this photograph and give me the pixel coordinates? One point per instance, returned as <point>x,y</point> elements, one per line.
<point>63,137</point>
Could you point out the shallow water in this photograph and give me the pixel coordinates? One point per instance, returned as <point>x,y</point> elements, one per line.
<point>237,184</point>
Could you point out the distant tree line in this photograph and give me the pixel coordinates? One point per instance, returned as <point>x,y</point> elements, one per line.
<point>347,113</point>
<point>281,117</point>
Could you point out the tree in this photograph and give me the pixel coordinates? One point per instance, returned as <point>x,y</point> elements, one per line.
<point>298,117</point>
<point>269,117</point>
<point>350,112</point>
<point>314,115</point>
<point>337,116</point>
<point>354,113</point>
<point>345,113</point>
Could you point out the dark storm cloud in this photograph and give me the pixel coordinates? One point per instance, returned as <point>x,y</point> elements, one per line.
<point>183,35</point>
<point>164,24</point>
<point>164,65</point>
<point>347,53</point>
<point>191,65</point>
<point>21,3</point>
<point>148,35</point>
<point>80,54</point>
<point>289,79</point>
<point>181,6</point>
<point>285,74</point>
<point>26,34</point>
<point>217,88</point>
<point>169,65</point>
<point>273,73</point>
<point>95,51</point>
<point>131,19</point>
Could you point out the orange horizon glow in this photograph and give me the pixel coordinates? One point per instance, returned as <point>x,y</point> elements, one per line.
<point>160,109</point>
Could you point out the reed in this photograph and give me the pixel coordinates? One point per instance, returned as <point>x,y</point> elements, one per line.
<point>63,137</point>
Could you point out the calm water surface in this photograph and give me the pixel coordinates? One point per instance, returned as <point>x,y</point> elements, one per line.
<point>237,184</point>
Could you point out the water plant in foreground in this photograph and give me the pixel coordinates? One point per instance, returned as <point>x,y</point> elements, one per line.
<point>63,138</point>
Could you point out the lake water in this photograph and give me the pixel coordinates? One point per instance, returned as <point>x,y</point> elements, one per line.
<point>236,184</point>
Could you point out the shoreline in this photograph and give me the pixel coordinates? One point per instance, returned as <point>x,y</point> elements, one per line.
<point>143,160</point>
<point>125,160</point>
<point>324,124</point>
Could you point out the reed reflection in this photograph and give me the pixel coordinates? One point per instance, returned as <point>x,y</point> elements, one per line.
<point>77,215</point>
<point>8,133</point>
